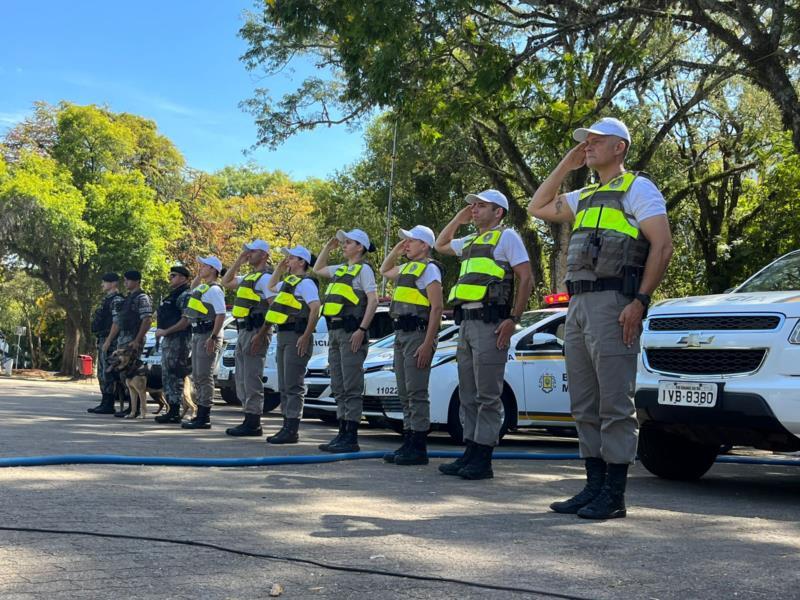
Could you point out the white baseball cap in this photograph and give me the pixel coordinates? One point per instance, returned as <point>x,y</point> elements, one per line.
<point>421,233</point>
<point>492,196</point>
<point>299,252</point>
<point>606,126</point>
<point>258,245</point>
<point>357,235</point>
<point>212,261</point>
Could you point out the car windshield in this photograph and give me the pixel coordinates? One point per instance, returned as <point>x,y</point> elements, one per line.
<point>781,276</point>
<point>529,318</point>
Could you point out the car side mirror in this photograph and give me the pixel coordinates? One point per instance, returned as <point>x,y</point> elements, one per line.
<point>542,339</point>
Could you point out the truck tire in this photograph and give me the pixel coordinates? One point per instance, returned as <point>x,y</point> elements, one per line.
<point>672,456</point>
<point>228,394</point>
<point>455,429</point>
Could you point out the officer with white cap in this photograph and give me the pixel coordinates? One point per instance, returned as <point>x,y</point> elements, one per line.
<point>416,312</point>
<point>250,305</point>
<point>349,306</point>
<point>294,313</point>
<point>488,311</point>
<point>205,311</point>
<point>618,252</point>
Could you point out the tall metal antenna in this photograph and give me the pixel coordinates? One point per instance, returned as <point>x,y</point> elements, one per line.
<point>389,206</point>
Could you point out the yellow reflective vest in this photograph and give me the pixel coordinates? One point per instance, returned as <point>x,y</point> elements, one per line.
<point>196,309</point>
<point>603,240</point>
<point>341,299</point>
<point>481,277</point>
<point>247,299</point>
<point>286,307</point>
<point>407,298</point>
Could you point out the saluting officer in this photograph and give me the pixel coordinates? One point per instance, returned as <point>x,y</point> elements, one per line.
<point>101,327</point>
<point>132,320</point>
<point>618,252</point>
<point>249,308</point>
<point>349,305</point>
<point>416,312</point>
<point>175,335</point>
<point>488,313</point>
<point>205,310</point>
<point>294,312</point>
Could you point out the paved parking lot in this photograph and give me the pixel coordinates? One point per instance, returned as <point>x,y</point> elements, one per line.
<point>734,534</point>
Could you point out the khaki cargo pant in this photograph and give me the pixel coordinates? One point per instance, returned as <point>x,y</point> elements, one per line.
<point>481,368</point>
<point>347,374</point>
<point>249,373</point>
<point>601,371</point>
<point>412,383</point>
<point>203,368</point>
<point>292,373</point>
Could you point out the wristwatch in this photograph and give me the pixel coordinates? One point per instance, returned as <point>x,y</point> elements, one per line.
<point>644,299</point>
<point>514,318</point>
<point>364,329</point>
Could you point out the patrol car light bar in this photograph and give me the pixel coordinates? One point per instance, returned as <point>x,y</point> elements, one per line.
<point>558,298</point>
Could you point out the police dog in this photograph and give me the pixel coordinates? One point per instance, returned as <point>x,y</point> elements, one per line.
<point>126,361</point>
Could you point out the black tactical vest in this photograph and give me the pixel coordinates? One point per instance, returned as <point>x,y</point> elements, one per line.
<point>169,313</point>
<point>129,319</point>
<point>102,319</point>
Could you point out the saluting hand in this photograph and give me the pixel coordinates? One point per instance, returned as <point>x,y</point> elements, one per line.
<point>575,158</point>
<point>464,216</point>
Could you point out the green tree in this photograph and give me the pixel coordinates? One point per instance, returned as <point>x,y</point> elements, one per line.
<point>81,206</point>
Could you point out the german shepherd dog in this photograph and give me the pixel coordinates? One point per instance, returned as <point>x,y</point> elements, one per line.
<point>141,379</point>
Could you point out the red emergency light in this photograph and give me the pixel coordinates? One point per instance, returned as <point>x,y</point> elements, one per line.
<point>557,298</point>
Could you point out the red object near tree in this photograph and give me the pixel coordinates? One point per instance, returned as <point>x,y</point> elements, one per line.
<point>87,368</point>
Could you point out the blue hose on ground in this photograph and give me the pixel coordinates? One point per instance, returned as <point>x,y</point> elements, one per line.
<point>261,461</point>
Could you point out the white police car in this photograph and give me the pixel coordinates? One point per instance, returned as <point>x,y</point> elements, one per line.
<point>721,370</point>
<point>535,392</point>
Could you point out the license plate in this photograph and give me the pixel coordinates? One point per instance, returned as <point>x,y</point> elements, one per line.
<point>223,373</point>
<point>679,393</point>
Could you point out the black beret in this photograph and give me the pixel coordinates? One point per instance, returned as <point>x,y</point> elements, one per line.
<point>110,277</point>
<point>180,270</point>
<point>133,275</point>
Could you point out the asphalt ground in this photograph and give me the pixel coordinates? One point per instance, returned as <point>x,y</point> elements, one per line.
<point>733,534</point>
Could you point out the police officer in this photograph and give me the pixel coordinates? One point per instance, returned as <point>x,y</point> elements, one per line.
<point>101,327</point>
<point>176,336</point>
<point>132,320</point>
<point>249,307</point>
<point>294,312</point>
<point>618,252</point>
<point>349,305</point>
<point>488,313</point>
<point>205,310</point>
<point>416,312</point>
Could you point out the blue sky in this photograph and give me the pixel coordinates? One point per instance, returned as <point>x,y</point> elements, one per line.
<point>176,62</point>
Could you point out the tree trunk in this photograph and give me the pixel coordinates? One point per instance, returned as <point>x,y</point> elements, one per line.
<point>72,340</point>
<point>558,259</point>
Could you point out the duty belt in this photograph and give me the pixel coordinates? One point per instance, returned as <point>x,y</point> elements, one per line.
<point>250,322</point>
<point>409,323</point>
<point>203,327</point>
<point>348,323</point>
<point>492,313</point>
<point>600,285</point>
<point>297,326</point>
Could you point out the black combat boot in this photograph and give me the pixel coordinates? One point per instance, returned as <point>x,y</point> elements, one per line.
<point>348,441</point>
<point>123,413</point>
<point>390,456</point>
<point>595,478</point>
<point>452,468</point>
<point>106,406</point>
<point>172,416</point>
<point>480,466</point>
<point>288,433</point>
<point>250,427</point>
<point>610,502</point>
<point>417,451</point>
<point>202,419</point>
<point>336,438</point>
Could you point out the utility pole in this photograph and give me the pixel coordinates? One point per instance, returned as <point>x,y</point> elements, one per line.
<point>20,333</point>
<point>389,206</point>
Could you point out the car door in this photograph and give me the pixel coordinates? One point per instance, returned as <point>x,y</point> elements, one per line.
<point>541,355</point>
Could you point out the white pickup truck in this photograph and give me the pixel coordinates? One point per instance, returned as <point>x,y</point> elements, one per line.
<point>721,370</point>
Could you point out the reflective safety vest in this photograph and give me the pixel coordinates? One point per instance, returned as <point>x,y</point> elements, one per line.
<point>247,299</point>
<point>482,278</point>
<point>407,298</point>
<point>603,241</point>
<point>286,307</point>
<point>198,310</point>
<point>341,299</point>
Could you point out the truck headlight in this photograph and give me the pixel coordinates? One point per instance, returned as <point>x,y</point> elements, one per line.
<point>794,338</point>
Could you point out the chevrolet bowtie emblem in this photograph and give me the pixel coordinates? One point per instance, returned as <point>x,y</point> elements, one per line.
<point>695,340</point>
